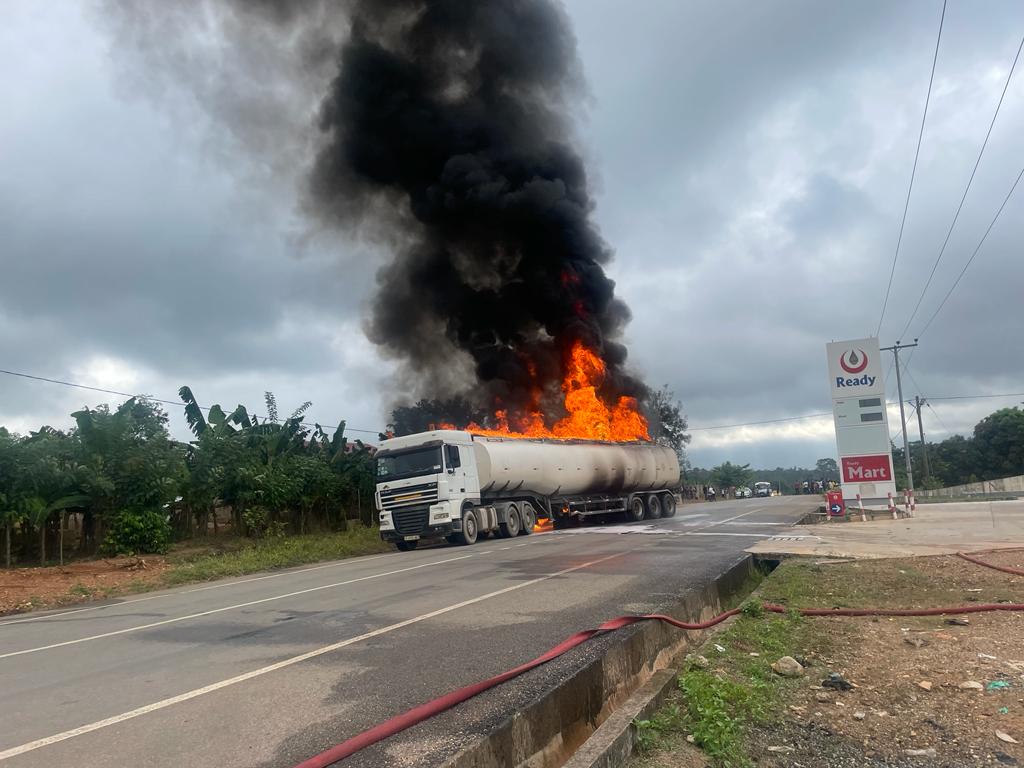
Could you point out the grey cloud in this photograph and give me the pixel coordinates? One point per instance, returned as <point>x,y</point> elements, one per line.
<point>752,164</point>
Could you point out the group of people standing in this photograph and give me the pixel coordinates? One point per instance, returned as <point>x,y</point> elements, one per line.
<point>814,486</point>
<point>702,492</point>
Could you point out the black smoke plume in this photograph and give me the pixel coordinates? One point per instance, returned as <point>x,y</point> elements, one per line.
<point>446,130</point>
<point>450,120</point>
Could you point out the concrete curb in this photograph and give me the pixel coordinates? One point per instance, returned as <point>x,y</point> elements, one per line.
<point>547,732</point>
<point>613,742</point>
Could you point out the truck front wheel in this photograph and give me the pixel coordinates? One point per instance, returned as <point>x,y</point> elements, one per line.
<point>469,530</point>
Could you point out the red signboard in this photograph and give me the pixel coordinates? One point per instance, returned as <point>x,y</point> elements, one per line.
<point>836,506</point>
<point>867,469</point>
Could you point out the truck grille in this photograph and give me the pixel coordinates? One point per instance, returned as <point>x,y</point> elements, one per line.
<point>409,521</point>
<point>422,495</point>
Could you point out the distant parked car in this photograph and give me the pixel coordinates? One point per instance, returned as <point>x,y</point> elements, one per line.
<point>743,493</point>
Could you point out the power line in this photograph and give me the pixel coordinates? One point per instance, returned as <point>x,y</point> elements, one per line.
<point>920,389</point>
<point>913,173</point>
<point>941,422</point>
<point>906,369</point>
<point>978,397</point>
<point>766,421</point>
<point>177,403</point>
<point>975,253</point>
<point>970,181</point>
<point>829,413</point>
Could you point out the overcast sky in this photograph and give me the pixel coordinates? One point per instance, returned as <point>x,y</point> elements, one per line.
<point>751,162</point>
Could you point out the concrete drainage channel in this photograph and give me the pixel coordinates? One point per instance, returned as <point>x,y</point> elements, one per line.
<point>586,720</point>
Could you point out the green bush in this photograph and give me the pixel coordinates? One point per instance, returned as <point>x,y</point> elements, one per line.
<point>136,533</point>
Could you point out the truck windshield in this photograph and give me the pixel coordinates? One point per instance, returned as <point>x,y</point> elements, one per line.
<point>417,461</point>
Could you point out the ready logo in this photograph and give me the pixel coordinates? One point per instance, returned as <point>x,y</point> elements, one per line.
<point>854,361</point>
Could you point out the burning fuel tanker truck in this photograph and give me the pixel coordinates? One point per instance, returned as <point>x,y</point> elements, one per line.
<point>459,485</point>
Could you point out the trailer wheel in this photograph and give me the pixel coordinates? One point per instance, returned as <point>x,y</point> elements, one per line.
<point>406,546</point>
<point>469,530</point>
<point>511,527</point>
<point>668,505</point>
<point>653,507</point>
<point>635,512</point>
<point>529,520</point>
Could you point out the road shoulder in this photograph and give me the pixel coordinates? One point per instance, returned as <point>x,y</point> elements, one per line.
<point>933,690</point>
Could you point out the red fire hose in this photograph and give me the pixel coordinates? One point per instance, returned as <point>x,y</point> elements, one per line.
<point>428,709</point>
<point>967,556</point>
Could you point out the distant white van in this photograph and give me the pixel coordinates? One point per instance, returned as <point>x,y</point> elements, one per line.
<point>762,488</point>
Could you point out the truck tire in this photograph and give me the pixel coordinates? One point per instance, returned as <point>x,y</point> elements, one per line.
<point>668,505</point>
<point>470,530</point>
<point>406,546</point>
<point>653,507</point>
<point>529,519</point>
<point>635,511</point>
<point>512,525</point>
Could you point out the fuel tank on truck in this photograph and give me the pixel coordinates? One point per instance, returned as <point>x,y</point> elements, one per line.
<point>572,467</point>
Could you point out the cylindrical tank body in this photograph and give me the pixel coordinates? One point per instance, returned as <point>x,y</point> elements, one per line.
<point>572,467</point>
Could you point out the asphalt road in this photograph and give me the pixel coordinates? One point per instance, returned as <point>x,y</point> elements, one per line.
<point>269,669</point>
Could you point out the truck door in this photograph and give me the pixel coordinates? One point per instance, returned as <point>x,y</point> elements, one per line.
<point>462,480</point>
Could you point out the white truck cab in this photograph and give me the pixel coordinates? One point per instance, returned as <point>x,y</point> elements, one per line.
<point>423,485</point>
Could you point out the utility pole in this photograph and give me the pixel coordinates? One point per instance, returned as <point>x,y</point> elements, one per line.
<point>918,402</point>
<point>903,416</point>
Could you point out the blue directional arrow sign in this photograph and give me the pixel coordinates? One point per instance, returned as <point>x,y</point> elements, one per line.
<point>836,509</point>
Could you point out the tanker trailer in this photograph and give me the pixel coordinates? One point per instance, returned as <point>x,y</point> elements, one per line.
<point>459,486</point>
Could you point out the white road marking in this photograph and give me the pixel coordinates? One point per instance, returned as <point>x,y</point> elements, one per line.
<point>716,523</point>
<point>334,564</point>
<point>723,533</point>
<point>84,729</point>
<point>212,611</point>
<point>78,610</point>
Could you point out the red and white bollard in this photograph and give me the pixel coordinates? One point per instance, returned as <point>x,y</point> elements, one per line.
<point>892,506</point>
<point>860,503</point>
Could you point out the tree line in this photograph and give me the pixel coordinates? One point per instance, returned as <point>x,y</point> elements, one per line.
<point>117,482</point>
<point>994,449</point>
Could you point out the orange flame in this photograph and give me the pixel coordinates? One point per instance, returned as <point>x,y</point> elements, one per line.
<point>588,417</point>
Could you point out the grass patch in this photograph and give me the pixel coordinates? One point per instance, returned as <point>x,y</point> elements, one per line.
<point>656,732</point>
<point>739,688</point>
<point>80,590</point>
<point>241,557</point>
<point>717,703</point>
<point>861,584</point>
